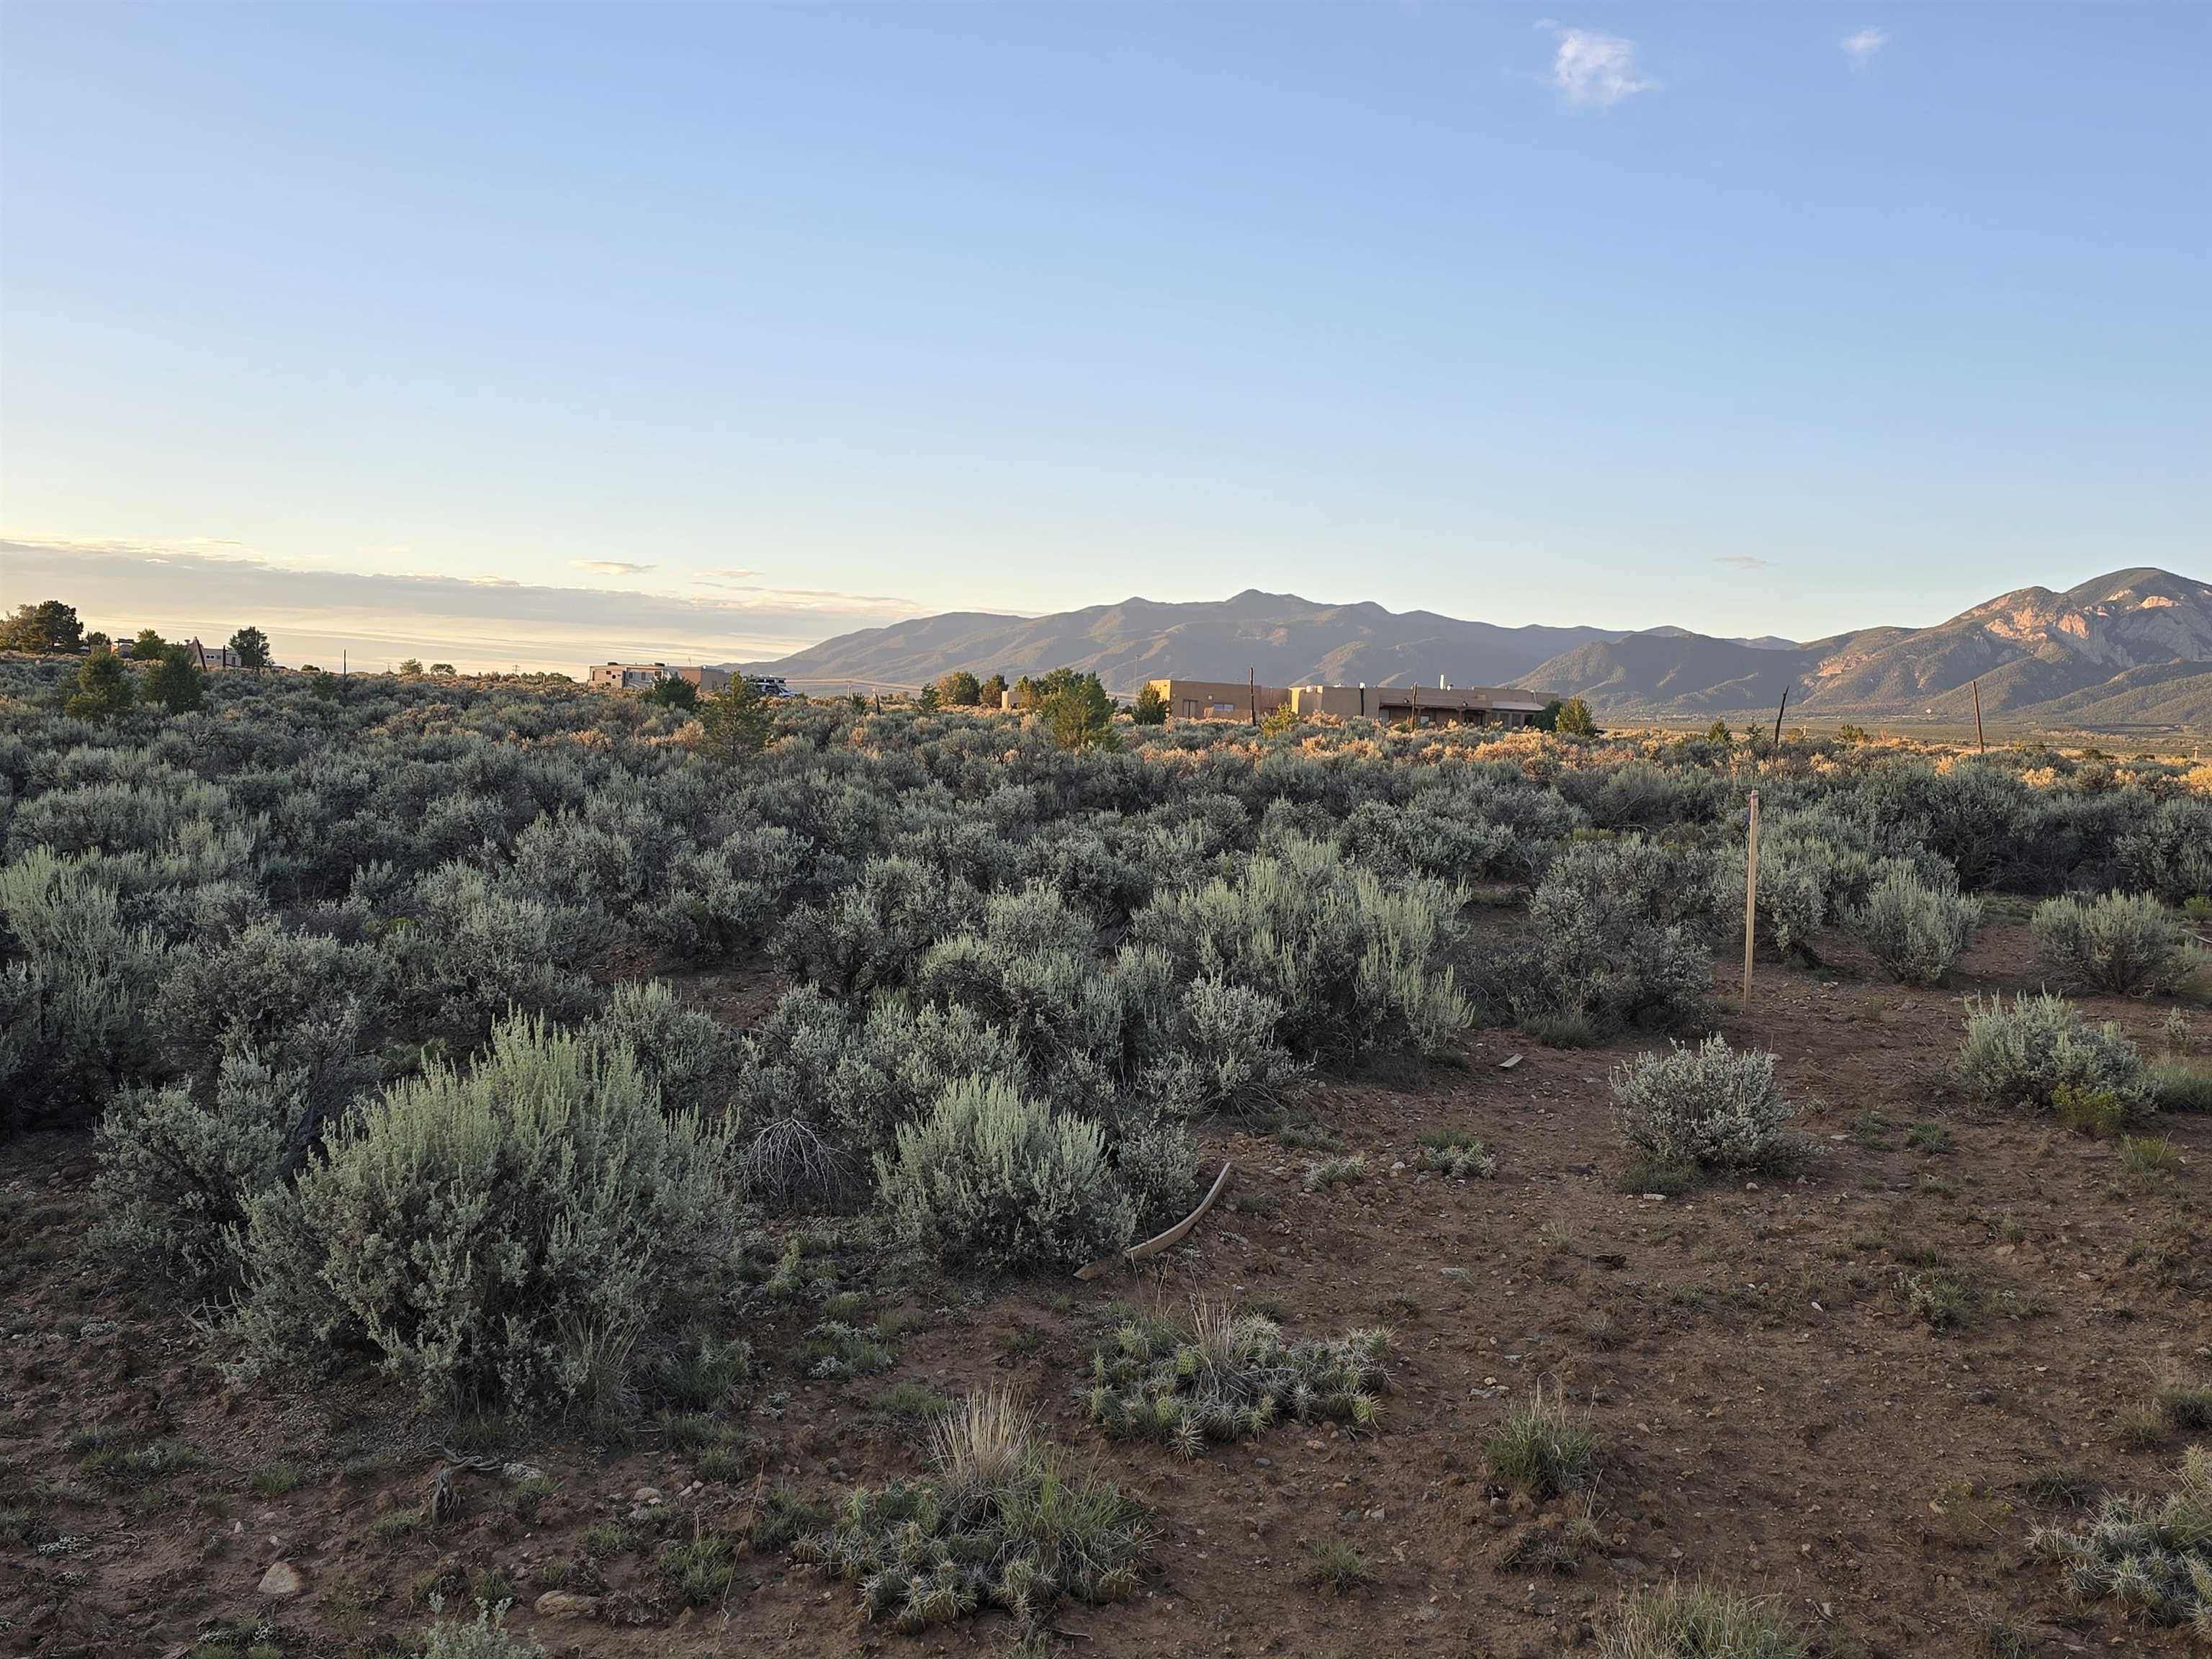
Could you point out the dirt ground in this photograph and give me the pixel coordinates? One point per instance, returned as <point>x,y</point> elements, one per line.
<point>1771,1410</point>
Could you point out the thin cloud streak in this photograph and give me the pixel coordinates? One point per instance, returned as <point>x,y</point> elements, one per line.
<point>313,614</point>
<point>612,566</point>
<point>1744,561</point>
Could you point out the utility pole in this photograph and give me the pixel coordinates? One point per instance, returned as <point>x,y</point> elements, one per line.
<point>1978,743</point>
<point>1778,719</point>
<point>1252,693</point>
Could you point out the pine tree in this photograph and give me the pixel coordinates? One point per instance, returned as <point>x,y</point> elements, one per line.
<point>103,688</point>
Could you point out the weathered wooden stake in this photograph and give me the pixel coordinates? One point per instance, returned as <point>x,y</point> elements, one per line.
<point>1750,897</point>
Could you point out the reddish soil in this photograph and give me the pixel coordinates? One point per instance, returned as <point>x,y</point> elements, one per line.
<point>1772,1413</point>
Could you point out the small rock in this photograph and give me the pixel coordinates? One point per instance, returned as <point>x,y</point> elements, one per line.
<point>283,1582</point>
<point>520,1472</point>
<point>646,1495</point>
<point>567,1604</point>
<point>1509,1062</point>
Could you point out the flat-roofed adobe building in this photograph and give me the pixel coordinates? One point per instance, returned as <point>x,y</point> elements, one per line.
<point>1423,705</point>
<point>644,676</point>
<point>1220,700</point>
<point>1471,705</point>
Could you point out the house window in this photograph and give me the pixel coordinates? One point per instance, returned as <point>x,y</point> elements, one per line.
<point>1222,708</point>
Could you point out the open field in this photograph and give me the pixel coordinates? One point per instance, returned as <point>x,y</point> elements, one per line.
<point>1843,1359</point>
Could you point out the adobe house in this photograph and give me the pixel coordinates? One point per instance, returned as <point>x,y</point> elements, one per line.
<point>1393,705</point>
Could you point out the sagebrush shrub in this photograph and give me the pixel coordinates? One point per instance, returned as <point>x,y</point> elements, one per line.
<point>1618,939</point>
<point>519,1231</point>
<point>820,1090</point>
<point>257,987</point>
<point>2025,1052</point>
<point>1228,1057</point>
<point>873,933</point>
<point>1359,967</point>
<point>2119,942</point>
<point>993,1181</point>
<point>1711,1106</point>
<point>479,950</point>
<point>485,1637</point>
<point>686,1054</point>
<point>1916,930</point>
<point>175,1176</point>
<point>73,1011</point>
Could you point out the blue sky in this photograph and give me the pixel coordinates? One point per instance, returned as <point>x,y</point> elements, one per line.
<point>719,328</point>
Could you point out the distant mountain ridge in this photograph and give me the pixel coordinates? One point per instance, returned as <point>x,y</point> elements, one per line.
<point>2131,648</point>
<point>1280,638</point>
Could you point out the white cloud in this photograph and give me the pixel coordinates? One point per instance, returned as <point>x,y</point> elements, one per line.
<point>610,567</point>
<point>1743,561</point>
<point>1592,67</point>
<point>1861,45</point>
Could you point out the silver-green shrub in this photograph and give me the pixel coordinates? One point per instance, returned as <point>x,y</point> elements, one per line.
<point>258,985</point>
<point>686,1054</point>
<point>1228,1058</point>
<point>820,1088</point>
<point>2023,1053</point>
<point>516,1232</point>
<point>872,933</point>
<point>176,1175</point>
<point>1914,930</point>
<point>2119,942</point>
<point>992,1180</point>
<point>1617,936</point>
<point>481,948</point>
<point>726,898</point>
<point>1711,1106</point>
<point>1358,966</point>
<point>73,1008</point>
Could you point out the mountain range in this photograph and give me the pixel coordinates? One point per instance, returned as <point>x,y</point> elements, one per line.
<point>2134,647</point>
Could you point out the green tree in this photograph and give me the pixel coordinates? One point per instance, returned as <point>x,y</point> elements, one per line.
<point>96,640</point>
<point>410,666</point>
<point>993,692</point>
<point>49,627</point>
<point>928,700</point>
<point>176,682</point>
<point>252,646</point>
<point>103,688</point>
<point>959,689</point>
<point>736,720</point>
<point>1276,721</point>
<point>1078,709</point>
<point>326,687</point>
<point>147,646</point>
<point>1151,707</point>
<point>445,668</point>
<point>1546,719</point>
<point>1718,732</point>
<point>1575,719</point>
<point>1029,691</point>
<point>674,691</point>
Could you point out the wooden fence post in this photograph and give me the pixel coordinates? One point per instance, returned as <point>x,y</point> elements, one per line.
<point>1750,897</point>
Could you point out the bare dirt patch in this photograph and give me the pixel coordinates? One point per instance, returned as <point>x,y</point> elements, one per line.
<point>1850,1389</point>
